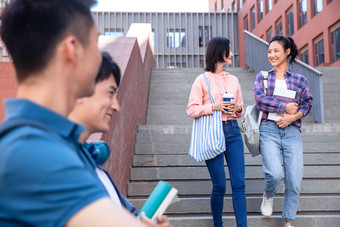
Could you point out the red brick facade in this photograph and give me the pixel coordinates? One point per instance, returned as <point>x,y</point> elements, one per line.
<point>8,84</point>
<point>317,27</point>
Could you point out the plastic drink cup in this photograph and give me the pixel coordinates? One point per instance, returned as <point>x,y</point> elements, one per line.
<point>228,97</point>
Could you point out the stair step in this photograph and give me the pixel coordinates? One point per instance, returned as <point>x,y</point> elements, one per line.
<point>253,187</point>
<point>178,118</point>
<point>176,92</point>
<point>183,148</point>
<point>186,160</point>
<point>257,221</point>
<point>194,206</point>
<point>201,172</point>
<point>185,138</point>
<point>169,101</point>
<point>186,128</point>
<point>167,107</point>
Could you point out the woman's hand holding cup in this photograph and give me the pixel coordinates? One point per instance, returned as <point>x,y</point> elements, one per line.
<point>221,106</point>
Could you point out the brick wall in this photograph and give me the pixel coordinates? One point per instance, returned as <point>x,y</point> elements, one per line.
<point>8,84</point>
<point>135,58</point>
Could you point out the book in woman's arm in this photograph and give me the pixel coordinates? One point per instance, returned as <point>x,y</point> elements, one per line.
<point>285,96</point>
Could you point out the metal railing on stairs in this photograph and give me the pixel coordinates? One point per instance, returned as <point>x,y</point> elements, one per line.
<point>257,59</point>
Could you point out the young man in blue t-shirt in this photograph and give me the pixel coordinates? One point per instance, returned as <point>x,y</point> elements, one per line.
<point>45,178</point>
<point>95,113</point>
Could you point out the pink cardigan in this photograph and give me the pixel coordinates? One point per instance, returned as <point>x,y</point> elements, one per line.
<point>199,101</point>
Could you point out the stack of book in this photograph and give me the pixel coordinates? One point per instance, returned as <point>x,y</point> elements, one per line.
<point>285,96</point>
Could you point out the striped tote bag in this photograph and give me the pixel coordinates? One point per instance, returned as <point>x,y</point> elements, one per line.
<point>207,137</point>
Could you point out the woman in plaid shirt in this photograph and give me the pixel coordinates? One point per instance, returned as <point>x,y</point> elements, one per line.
<point>283,133</point>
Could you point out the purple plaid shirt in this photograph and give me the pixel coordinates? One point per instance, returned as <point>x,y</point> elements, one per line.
<point>267,103</point>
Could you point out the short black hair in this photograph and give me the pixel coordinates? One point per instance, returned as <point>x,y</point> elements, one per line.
<point>32,29</point>
<point>218,48</point>
<point>287,43</point>
<point>107,68</point>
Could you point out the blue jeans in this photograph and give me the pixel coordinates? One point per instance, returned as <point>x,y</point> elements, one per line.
<point>273,140</point>
<point>234,155</point>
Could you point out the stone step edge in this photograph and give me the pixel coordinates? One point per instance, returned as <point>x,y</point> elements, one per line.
<point>307,128</point>
<point>249,197</point>
<point>174,217</point>
<point>275,220</point>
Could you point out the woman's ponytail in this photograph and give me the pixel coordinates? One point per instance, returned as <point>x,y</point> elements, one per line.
<point>293,50</point>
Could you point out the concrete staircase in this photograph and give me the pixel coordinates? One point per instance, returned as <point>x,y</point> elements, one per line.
<point>331,87</point>
<point>163,143</point>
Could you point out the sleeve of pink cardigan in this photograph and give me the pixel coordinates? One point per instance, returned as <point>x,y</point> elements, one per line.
<point>196,108</point>
<point>239,100</point>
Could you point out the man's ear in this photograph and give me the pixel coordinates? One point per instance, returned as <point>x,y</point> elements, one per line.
<point>71,48</point>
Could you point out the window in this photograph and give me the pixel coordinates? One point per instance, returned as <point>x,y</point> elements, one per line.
<point>246,23</point>
<point>215,6</point>
<point>204,36</point>
<point>5,55</point>
<point>276,1</point>
<point>279,27</point>
<point>222,4</point>
<point>114,32</point>
<point>304,55</point>
<point>335,36</point>
<point>234,7</point>
<point>175,38</point>
<point>239,4</point>
<point>319,52</point>
<point>317,6</point>
<point>172,65</point>
<point>201,61</point>
<point>269,34</point>
<point>260,10</point>
<point>253,18</point>
<point>269,5</point>
<point>302,12</point>
<point>290,22</point>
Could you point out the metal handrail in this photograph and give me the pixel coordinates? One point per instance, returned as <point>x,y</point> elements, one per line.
<point>257,58</point>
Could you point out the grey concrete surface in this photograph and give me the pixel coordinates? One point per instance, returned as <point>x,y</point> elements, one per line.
<point>162,146</point>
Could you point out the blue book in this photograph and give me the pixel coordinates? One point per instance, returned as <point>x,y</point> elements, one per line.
<point>159,200</point>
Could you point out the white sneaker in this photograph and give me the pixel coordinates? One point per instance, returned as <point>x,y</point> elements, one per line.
<point>267,206</point>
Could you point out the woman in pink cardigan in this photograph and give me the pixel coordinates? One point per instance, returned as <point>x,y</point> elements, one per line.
<point>218,54</point>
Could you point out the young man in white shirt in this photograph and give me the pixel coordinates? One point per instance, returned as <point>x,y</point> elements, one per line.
<point>95,113</point>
